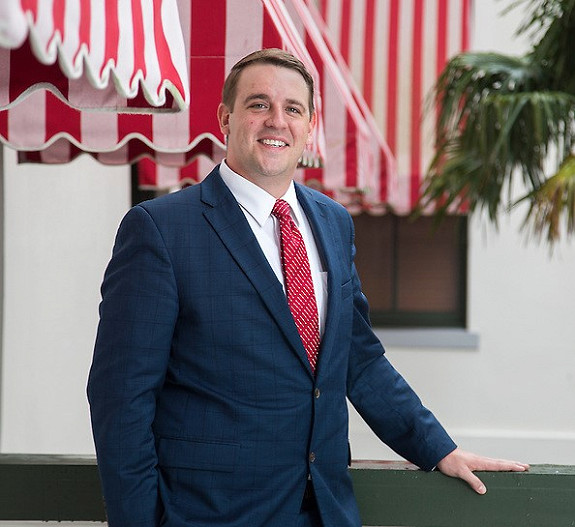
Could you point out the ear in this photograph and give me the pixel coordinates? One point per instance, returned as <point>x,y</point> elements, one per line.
<point>312,125</point>
<point>224,118</point>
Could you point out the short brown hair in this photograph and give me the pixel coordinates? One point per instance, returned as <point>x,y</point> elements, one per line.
<point>274,56</point>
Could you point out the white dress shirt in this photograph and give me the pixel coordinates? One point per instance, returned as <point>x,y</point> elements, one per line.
<point>257,205</point>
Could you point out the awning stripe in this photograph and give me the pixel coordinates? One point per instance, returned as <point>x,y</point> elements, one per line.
<point>369,45</point>
<point>93,40</point>
<point>417,100</point>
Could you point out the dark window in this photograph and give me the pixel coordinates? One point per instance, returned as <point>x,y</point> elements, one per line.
<point>138,194</point>
<point>412,271</point>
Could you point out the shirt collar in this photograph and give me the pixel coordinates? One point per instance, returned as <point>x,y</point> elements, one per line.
<point>255,200</point>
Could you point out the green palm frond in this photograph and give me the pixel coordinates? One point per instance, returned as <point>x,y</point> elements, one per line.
<point>501,117</point>
<point>487,135</point>
<point>553,201</point>
<point>470,77</point>
<point>539,16</point>
<point>554,51</point>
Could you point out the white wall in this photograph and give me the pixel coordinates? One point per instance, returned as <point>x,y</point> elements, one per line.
<point>513,396</point>
<point>59,226</point>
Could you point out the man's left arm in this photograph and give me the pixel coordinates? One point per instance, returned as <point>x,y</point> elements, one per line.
<point>395,412</point>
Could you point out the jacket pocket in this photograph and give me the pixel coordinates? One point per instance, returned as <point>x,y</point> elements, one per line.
<point>195,454</point>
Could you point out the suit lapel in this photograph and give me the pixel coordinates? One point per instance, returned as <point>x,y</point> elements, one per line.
<point>326,242</point>
<point>228,221</point>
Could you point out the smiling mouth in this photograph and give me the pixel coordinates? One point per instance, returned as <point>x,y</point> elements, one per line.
<point>273,142</point>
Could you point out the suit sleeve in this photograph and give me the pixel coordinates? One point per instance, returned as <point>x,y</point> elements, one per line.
<point>137,315</point>
<point>384,399</point>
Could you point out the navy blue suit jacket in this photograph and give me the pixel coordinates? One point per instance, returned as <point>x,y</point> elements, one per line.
<point>204,408</point>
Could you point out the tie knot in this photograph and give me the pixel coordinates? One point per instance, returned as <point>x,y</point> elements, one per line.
<point>281,209</point>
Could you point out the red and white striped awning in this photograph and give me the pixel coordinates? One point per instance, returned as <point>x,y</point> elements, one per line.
<point>396,50</point>
<point>358,168</point>
<point>93,54</point>
<point>216,35</point>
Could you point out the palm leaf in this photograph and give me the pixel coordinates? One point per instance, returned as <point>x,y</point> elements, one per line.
<point>551,202</point>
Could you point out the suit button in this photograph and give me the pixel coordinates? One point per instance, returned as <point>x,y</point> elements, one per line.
<point>312,457</point>
<point>316,393</point>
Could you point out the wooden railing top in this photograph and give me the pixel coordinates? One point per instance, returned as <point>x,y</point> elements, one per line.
<point>397,493</point>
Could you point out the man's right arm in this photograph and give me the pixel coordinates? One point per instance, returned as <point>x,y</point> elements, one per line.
<point>137,316</point>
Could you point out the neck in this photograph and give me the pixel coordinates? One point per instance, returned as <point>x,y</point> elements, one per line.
<point>276,188</point>
<point>276,185</point>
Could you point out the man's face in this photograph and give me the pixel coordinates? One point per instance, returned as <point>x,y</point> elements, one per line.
<point>269,125</point>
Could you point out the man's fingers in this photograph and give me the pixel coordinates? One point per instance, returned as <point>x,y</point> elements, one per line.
<point>461,464</point>
<point>487,464</point>
<point>514,466</point>
<point>475,483</point>
<point>500,465</point>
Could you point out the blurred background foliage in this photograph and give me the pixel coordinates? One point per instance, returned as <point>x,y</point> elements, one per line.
<point>502,117</point>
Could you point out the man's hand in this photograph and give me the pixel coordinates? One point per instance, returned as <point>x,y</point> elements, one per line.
<point>461,464</point>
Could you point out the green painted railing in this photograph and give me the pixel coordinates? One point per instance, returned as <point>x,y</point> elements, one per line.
<point>400,495</point>
<point>63,488</point>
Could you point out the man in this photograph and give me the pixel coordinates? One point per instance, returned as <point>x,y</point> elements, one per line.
<point>214,403</point>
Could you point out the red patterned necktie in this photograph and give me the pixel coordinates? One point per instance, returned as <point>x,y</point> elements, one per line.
<point>298,281</point>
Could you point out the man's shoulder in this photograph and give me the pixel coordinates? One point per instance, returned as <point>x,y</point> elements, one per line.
<point>185,195</point>
<point>189,196</point>
<point>321,198</point>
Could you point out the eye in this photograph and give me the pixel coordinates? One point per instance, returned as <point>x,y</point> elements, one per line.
<point>293,109</point>
<point>258,105</point>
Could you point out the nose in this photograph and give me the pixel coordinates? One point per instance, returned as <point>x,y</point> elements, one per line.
<point>275,118</point>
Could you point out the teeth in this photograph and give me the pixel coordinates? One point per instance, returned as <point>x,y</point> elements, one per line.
<point>273,142</point>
